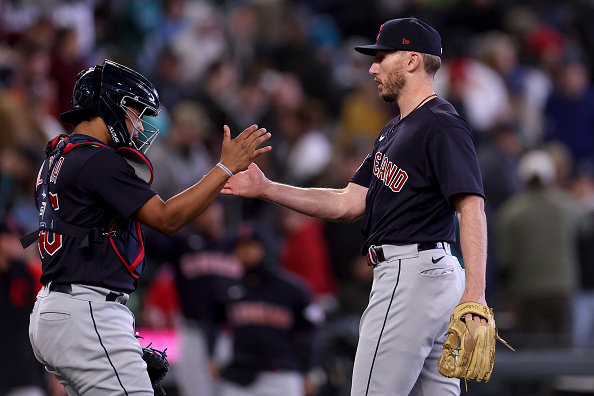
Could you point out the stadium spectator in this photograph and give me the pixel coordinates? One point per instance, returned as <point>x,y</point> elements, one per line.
<point>19,284</point>
<point>569,114</point>
<point>537,238</point>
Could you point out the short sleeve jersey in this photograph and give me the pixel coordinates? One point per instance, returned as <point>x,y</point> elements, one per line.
<point>417,165</point>
<point>91,188</point>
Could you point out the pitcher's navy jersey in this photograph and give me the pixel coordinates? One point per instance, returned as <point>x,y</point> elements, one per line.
<point>415,168</point>
<point>91,186</point>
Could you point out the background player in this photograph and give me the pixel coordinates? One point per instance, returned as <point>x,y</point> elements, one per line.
<point>421,171</point>
<point>92,202</point>
<point>274,321</point>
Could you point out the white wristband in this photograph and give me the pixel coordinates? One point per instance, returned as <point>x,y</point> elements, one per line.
<point>223,167</point>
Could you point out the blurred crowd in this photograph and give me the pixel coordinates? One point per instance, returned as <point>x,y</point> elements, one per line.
<point>519,71</point>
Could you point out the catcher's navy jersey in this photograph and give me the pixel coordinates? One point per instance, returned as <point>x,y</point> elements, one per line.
<point>415,168</point>
<point>90,187</point>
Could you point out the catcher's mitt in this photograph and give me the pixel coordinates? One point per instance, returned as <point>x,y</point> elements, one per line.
<point>156,365</point>
<point>469,349</point>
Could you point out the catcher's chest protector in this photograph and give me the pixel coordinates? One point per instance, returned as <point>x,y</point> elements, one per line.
<point>124,236</point>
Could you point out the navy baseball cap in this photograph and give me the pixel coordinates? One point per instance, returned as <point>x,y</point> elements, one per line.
<point>408,34</point>
<point>251,230</point>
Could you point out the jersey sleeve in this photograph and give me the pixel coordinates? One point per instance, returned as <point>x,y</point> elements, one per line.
<point>108,176</point>
<point>363,175</point>
<point>454,163</point>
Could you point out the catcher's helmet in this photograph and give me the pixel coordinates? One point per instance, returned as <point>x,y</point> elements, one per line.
<point>108,91</point>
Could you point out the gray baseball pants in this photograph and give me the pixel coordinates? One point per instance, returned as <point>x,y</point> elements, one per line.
<point>279,383</point>
<point>404,326</point>
<point>88,343</point>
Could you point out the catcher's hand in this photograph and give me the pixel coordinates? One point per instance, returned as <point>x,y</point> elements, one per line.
<point>156,365</point>
<point>469,349</point>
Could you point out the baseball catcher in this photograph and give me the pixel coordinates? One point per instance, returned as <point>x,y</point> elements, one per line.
<point>93,196</point>
<point>469,349</point>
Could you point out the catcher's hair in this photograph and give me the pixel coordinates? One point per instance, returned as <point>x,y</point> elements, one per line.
<point>432,63</point>
<point>85,116</point>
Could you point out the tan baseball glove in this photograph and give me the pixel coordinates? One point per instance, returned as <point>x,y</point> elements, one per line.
<point>469,349</point>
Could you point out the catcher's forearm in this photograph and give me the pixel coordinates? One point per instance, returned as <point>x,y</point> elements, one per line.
<point>168,217</point>
<point>473,241</point>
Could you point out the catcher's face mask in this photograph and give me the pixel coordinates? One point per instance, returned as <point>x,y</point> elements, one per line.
<point>142,132</point>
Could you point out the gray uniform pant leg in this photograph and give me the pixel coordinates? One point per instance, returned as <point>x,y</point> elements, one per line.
<point>281,383</point>
<point>192,370</point>
<point>88,344</point>
<point>403,328</point>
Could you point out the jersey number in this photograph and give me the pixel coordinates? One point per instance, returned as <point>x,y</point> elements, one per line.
<point>49,242</point>
<point>45,244</point>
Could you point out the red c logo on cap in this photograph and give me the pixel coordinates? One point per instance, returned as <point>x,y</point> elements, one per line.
<point>378,33</point>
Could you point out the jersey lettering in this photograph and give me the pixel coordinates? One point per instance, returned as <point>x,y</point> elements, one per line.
<point>256,313</point>
<point>399,180</point>
<point>376,161</point>
<point>392,168</point>
<point>389,173</point>
<point>210,263</point>
<point>382,171</point>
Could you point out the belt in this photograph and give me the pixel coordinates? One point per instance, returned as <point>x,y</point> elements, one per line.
<point>375,254</point>
<point>67,289</point>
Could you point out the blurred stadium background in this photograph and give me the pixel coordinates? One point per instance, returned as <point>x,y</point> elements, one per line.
<point>519,71</point>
